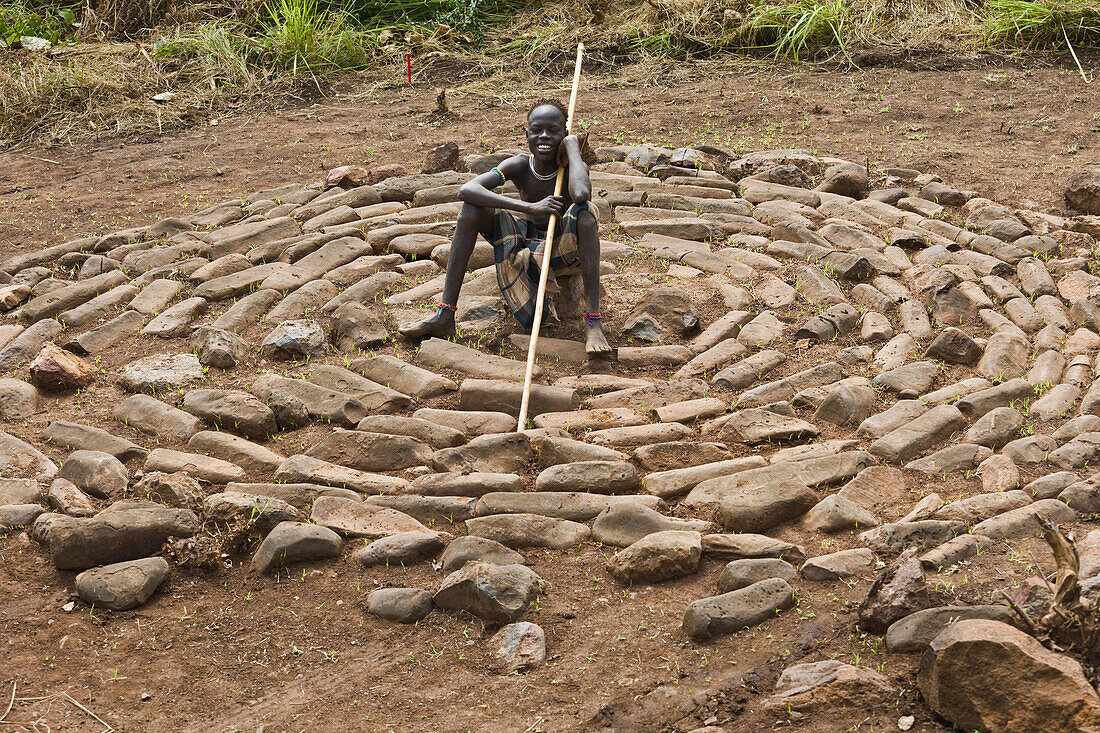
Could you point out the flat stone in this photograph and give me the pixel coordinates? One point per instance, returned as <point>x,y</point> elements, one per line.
<point>106,335</point>
<point>504,396</point>
<point>203,468</point>
<point>75,436</point>
<point>625,522</point>
<point>915,437</point>
<point>838,514</point>
<point>916,631</point>
<point>730,612</point>
<point>250,456</point>
<point>300,468</point>
<point>405,378</point>
<point>438,353</point>
<point>353,518</point>
<point>161,373</point>
<point>750,545</point>
<point>127,534</point>
<point>909,380</point>
<point>293,542</point>
<point>876,486</point>
<point>893,538</point>
<point>757,425</point>
<point>230,507</point>
<point>529,530</point>
<point>1023,521</point>
<point>575,506</point>
<point>403,605</point>
<point>754,509</point>
<point>122,586</point>
<point>67,498</point>
<point>739,574</point>
<point>371,451</point>
<point>952,459</point>
<point>600,477</point>
<point>282,394</point>
<point>19,515</point>
<point>839,565</point>
<point>176,320</point>
<point>405,548</point>
<point>505,453</point>
<point>471,423</point>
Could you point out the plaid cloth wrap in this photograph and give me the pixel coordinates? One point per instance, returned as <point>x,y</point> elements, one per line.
<point>518,248</point>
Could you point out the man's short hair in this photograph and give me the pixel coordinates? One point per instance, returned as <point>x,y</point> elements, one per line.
<point>549,102</point>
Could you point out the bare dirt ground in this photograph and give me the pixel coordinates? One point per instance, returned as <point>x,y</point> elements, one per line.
<point>229,651</point>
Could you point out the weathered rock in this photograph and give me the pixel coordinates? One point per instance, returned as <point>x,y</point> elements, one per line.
<point>730,612</point>
<point>83,437</point>
<point>160,373</point>
<point>404,548</point>
<point>123,585</point>
<point>1083,189</point>
<point>232,410</point>
<point>494,593</point>
<point>518,647</point>
<point>403,605</point>
<point>218,347</point>
<point>819,687</point>
<point>915,437</point>
<point>624,523</point>
<point>291,542</point>
<point>471,423</point>
<point>359,519</point>
<point>752,509</point>
<point>67,498</point>
<point>176,320</point>
<point>405,378</point>
<point>529,530</point>
<point>987,675</point>
<point>953,458</point>
<point>18,400</point>
<point>55,369</point>
<point>847,405</point>
<point>657,556</point>
<point>599,477</point>
<point>504,396</point>
<point>293,340</point>
<point>1023,521</point>
<point>917,630</point>
<point>742,573</point>
<point>292,400</point>
<point>299,468</point>
<point>127,534</point>
<point>839,565</point>
<point>98,473</point>
<point>838,514</point>
<point>893,538</point>
<point>898,592</point>
<point>156,418</point>
<point>756,425</point>
<point>203,468</point>
<point>506,453</point>
<point>477,549</point>
<point>174,489</point>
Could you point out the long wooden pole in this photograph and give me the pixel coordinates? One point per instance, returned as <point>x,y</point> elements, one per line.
<point>544,270</point>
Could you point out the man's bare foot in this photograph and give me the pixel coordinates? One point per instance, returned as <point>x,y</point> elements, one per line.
<point>596,344</point>
<point>441,325</point>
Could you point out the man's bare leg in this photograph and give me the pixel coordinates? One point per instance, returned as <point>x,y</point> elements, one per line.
<point>472,220</point>
<point>588,245</point>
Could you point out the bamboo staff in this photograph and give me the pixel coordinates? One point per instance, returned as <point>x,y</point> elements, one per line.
<point>545,268</point>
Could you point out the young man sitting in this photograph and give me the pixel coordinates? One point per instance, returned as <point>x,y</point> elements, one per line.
<point>519,243</point>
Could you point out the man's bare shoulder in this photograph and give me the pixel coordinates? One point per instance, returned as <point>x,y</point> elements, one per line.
<point>510,167</point>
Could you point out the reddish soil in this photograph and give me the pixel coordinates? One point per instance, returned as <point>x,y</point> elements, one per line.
<point>228,651</point>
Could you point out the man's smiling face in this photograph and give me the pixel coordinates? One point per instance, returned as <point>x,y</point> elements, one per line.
<point>545,131</point>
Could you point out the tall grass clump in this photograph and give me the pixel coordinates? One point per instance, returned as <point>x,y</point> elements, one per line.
<point>299,35</point>
<point>1043,24</point>
<point>799,28</point>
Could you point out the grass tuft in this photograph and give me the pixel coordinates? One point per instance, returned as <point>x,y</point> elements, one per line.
<point>799,28</point>
<point>1043,24</point>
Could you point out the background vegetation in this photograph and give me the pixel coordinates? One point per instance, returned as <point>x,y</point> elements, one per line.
<point>93,66</point>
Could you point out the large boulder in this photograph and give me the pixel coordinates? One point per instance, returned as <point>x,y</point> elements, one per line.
<point>989,676</point>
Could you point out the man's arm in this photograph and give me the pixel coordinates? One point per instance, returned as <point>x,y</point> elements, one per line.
<point>580,185</point>
<point>479,191</point>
